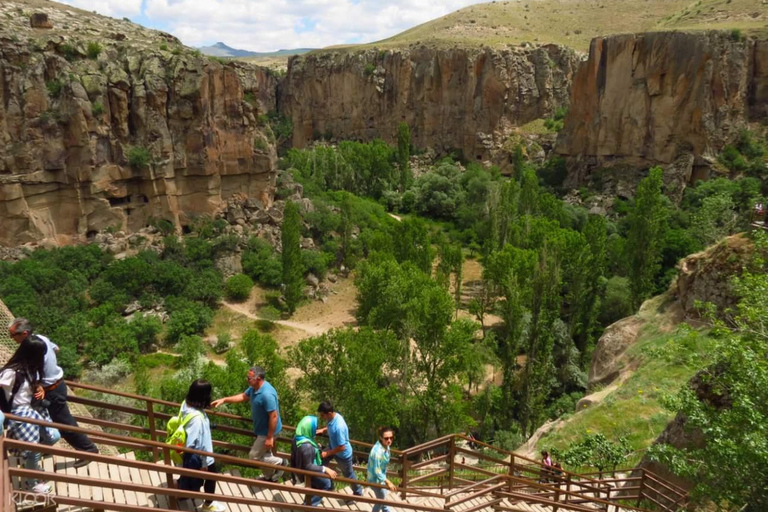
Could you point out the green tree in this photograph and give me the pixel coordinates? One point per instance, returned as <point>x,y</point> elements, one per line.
<point>404,155</point>
<point>238,287</point>
<point>354,369</point>
<point>597,451</point>
<point>293,270</point>
<point>647,229</point>
<point>715,219</point>
<point>726,405</point>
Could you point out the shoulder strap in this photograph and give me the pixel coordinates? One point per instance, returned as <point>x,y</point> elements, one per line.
<point>188,417</point>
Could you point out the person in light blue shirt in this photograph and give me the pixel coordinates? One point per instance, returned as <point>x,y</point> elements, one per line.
<point>198,430</point>
<point>265,413</point>
<point>378,460</point>
<point>340,447</point>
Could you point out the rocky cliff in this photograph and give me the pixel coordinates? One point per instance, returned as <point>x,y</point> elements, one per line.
<point>668,98</point>
<point>455,99</point>
<point>105,124</point>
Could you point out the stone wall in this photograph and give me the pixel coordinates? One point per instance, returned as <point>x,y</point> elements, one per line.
<point>456,99</point>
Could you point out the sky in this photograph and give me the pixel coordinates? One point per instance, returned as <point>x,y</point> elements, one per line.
<point>260,25</point>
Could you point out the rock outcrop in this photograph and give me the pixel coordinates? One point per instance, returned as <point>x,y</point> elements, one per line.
<point>456,99</point>
<point>706,276</point>
<point>668,98</point>
<point>616,339</point>
<point>105,124</point>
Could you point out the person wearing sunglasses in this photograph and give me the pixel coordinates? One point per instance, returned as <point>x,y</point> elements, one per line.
<point>378,460</point>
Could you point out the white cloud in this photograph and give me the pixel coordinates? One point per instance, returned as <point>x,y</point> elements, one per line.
<point>266,25</point>
<point>114,8</point>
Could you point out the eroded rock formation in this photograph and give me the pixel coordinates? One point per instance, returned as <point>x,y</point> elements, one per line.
<point>455,99</point>
<point>669,98</point>
<point>108,124</point>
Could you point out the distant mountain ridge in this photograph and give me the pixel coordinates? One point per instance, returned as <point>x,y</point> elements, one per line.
<point>222,50</point>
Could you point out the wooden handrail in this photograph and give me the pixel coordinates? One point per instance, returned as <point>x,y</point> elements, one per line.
<point>471,486</point>
<point>149,444</point>
<point>582,481</point>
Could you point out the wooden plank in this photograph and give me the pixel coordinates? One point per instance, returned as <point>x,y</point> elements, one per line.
<point>125,476</point>
<point>103,474</point>
<point>85,490</point>
<point>93,472</point>
<point>158,480</point>
<point>113,473</point>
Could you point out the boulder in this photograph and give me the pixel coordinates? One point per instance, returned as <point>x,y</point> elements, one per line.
<point>312,280</point>
<point>613,343</point>
<point>307,243</point>
<point>40,20</point>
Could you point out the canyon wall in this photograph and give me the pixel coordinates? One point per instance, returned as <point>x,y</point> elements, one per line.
<point>457,99</point>
<point>669,98</point>
<point>142,128</point>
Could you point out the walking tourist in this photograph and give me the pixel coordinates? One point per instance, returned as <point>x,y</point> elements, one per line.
<point>55,388</point>
<point>305,454</point>
<point>22,396</point>
<point>265,413</point>
<point>378,460</point>
<point>340,447</point>
<point>198,430</point>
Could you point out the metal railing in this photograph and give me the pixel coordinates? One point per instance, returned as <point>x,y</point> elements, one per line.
<point>429,469</point>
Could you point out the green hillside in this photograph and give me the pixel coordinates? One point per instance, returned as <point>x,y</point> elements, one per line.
<point>575,22</point>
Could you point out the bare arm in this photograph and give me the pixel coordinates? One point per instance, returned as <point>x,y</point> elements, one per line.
<point>270,442</point>
<point>234,399</point>
<point>331,453</point>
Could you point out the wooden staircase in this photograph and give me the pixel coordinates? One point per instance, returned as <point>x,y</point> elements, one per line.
<point>100,497</point>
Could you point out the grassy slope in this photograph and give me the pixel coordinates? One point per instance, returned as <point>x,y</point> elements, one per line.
<point>575,22</point>
<point>634,409</point>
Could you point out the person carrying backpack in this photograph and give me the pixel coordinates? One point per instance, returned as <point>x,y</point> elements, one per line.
<point>21,395</point>
<point>305,454</point>
<point>197,426</point>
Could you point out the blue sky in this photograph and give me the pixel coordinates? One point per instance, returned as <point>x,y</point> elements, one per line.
<point>260,25</point>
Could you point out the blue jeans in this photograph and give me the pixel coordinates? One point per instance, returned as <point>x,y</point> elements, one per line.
<point>346,470</point>
<point>382,495</point>
<point>323,484</point>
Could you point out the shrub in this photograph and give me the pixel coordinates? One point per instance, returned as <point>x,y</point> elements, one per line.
<point>222,342</point>
<point>736,34</point>
<point>93,51</point>
<point>98,108</point>
<point>238,287</point>
<point>54,87</point>
<point>261,263</point>
<point>164,47</point>
<point>138,157</point>
<point>315,262</point>
<point>369,69</point>
<point>251,100</point>
<point>70,52</point>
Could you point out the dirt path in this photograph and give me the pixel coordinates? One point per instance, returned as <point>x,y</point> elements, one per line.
<point>312,330</point>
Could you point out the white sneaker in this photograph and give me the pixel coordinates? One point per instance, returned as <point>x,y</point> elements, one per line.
<point>215,506</point>
<point>42,488</point>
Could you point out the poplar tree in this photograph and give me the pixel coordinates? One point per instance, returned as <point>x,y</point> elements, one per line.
<point>404,155</point>
<point>293,270</point>
<point>645,239</point>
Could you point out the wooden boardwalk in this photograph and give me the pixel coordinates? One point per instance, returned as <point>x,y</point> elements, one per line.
<point>287,493</point>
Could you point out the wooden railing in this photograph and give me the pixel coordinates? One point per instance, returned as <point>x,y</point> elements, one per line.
<point>432,466</point>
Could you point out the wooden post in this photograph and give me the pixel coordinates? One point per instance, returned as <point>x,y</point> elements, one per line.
<point>568,488</point>
<point>404,475</point>
<point>511,471</point>
<point>642,487</point>
<point>451,462</point>
<point>5,485</point>
<point>557,498</point>
<point>152,435</point>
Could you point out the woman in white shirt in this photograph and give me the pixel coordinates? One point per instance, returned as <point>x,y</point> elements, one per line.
<point>19,383</point>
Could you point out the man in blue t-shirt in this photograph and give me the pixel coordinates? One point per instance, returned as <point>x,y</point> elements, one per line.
<point>265,413</point>
<point>340,447</point>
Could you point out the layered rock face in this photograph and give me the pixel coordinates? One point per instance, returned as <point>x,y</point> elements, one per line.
<point>102,130</point>
<point>456,99</point>
<point>671,99</point>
